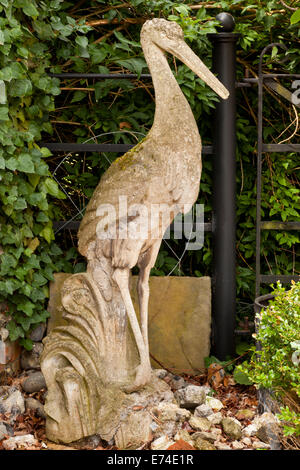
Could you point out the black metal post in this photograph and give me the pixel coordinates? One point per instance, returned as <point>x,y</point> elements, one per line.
<point>224,193</point>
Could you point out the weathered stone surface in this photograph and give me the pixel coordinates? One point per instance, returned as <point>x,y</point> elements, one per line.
<point>179,318</point>
<point>191,396</point>
<point>237,445</point>
<point>31,359</point>
<point>35,405</point>
<point>260,445</point>
<point>177,382</point>
<point>184,435</point>
<point>160,373</point>
<point>11,400</point>
<point>171,412</point>
<point>161,443</point>
<point>203,411</point>
<point>269,433</point>
<point>210,436</point>
<point>202,444</point>
<point>134,431</point>
<point>214,403</point>
<point>250,430</point>
<point>222,445</point>
<point>200,424</point>
<point>19,442</point>
<point>38,332</point>
<point>231,428</point>
<point>247,441</point>
<point>170,418</point>
<point>5,430</point>
<point>266,418</point>
<point>215,418</point>
<point>34,383</point>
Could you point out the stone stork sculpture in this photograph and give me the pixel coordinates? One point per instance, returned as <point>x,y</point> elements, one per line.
<point>165,169</point>
<point>92,361</point>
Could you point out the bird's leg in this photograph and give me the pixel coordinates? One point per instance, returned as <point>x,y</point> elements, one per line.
<point>145,263</point>
<point>143,294</point>
<point>121,277</point>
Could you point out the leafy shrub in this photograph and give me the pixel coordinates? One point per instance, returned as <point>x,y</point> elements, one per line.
<point>276,365</point>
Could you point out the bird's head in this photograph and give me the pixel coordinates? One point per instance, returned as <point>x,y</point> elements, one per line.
<point>168,36</point>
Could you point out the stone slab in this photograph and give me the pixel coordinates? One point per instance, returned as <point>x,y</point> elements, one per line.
<point>179,319</point>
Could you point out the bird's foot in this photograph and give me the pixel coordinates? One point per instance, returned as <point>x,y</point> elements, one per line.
<point>143,376</point>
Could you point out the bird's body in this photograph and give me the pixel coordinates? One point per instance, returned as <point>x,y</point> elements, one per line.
<point>162,170</point>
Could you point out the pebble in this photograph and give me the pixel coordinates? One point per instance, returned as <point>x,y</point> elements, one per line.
<point>35,405</point>
<point>34,383</point>
<point>265,418</point>
<point>203,411</point>
<point>200,424</point>
<point>247,441</point>
<point>269,433</point>
<point>160,373</point>
<point>214,403</point>
<point>177,382</point>
<point>18,442</point>
<point>162,443</point>
<point>208,436</point>
<point>191,396</point>
<point>250,431</point>
<point>184,435</point>
<point>11,400</point>
<point>236,445</point>
<point>231,428</point>
<point>222,446</point>
<point>38,332</point>
<point>3,431</point>
<point>260,445</point>
<point>31,359</point>
<point>202,444</point>
<point>171,412</point>
<point>215,418</point>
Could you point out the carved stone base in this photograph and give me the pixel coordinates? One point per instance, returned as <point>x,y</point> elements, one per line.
<point>87,363</point>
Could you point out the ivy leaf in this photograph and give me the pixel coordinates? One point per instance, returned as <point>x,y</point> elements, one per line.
<point>25,163</point>
<point>53,189</point>
<point>47,232</point>
<point>134,65</point>
<point>26,307</point>
<point>241,377</point>
<point>295,18</point>
<point>29,8</point>
<point>4,113</point>
<point>20,88</point>
<point>82,41</point>
<point>78,96</point>
<point>2,92</point>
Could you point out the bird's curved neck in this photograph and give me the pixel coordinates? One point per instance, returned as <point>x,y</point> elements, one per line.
<point>172,112</point>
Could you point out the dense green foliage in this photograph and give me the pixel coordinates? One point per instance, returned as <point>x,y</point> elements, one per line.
<point>276,366</point>
<point>99,36</point>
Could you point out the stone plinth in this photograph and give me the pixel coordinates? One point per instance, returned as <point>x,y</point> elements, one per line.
<point>179,319</point>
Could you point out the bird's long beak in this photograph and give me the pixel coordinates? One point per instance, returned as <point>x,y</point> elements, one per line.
<point>191,60</point>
